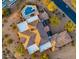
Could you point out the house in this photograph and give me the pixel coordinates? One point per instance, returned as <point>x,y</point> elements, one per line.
<point>29,11</point>
<point>23,26</point>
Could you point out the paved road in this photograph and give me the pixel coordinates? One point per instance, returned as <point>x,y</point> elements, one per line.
<point>66,9</point>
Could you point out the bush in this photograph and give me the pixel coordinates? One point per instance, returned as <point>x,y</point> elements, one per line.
<point>44,56</point>
<point>54,21</point>
<point>9,41</point>
<point>20,49</point>
<point>70,26</point>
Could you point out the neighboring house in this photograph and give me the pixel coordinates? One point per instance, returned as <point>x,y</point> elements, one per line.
<point>29,11</point>
<point>7,3</point>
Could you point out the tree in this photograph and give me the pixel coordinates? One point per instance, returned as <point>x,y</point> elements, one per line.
<point>52,7</point>
<point>54,21</point>
<point>73,2</point>
<point>8,41</point>
<point>70,26</point>
<point>44,56</point>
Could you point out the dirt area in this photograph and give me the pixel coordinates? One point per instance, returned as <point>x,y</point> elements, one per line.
<point>67,52</point>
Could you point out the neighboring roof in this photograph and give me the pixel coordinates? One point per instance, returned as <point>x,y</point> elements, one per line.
<point>32,49</point>
<point>32,19</point>
<point>7,3</point>
<point>28,10</point>
<point>45,46</point>
<point>23,26</point>
<point>3,3</point>
<point>11,2</point>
